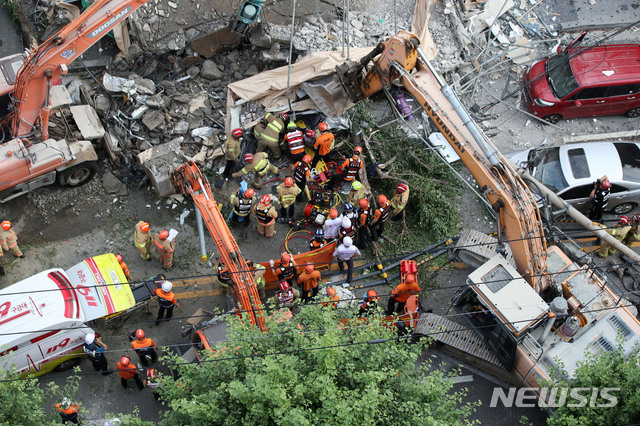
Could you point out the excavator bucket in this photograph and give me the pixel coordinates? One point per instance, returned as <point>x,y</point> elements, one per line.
<point>217,41</point>
<point>329,95</point>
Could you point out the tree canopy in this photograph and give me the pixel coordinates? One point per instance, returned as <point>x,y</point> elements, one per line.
<point>313,370</point>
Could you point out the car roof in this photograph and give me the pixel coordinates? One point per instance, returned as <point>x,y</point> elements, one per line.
<point>589,65</point>
<point>602,159</point>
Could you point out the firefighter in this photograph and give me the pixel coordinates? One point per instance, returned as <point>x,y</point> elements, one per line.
<point>356,193</point>
<point>287,193</point>
<point>345,253</point>
<point>258,277</point>
<point>232,148</point>
<point>224,279</point>
<point>268,133</point>
<point>166,300</point>
<point>309,138</point>
<point>399,201</point>
<point>347,229</point>
<point>242,206</point>
<point>302,175</point>
<point>68,411</point>
<point>123,266</point>
<point>152,382</point>
<point>308,281</point>
<point>142,239</point>
<point>619,232</point>
<point>318,240</point>
<point>334,299</point>
<point>286,296</point>
<point>370,302</point>
<point>128,371</point>
<point>600,197</point>
<point>266,216</point>
<point>259,164</point>
<point>634,233</point>
<point>288,269</point>
<point>8,239</point>
<point>401,293</point>
<point>380,217</point>
<point>351,166</point>
<point>94,348</point>
<point>294,139</point>
<point>332,225</point>
<point>324,144</point>
<point>165,248</point>
<point>364,219</point>
<point>145,348</point>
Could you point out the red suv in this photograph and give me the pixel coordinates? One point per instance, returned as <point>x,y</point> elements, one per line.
<point>585,82</point>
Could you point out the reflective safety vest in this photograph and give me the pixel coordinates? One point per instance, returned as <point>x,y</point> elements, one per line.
<point>364,219</point>
<point>352,169</point>
<point>288,271</point>
<point>295,141</point>
<point>348,232</point>
<point>300,173</point>
<point>285,298</point>
<point>382,213</point>
<point>263,215</point>
<point>316,244</point>
<point>273,128</point>
<point>166,300</point>
<point>244,207</point>
<point>143,347</point>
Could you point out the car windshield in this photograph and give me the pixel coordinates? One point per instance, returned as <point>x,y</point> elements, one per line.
<point>561,79</point>
<point>548,169</point>
<point>630,158</point>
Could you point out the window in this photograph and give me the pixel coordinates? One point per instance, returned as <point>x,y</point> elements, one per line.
<point>623,89</point>
<point>561,79</point>
<point>615,188</point>
<point>582,191</point>
<point>591,93</point>
<point>548,169</point>
<point>578,163</point>
<point>630,158</point>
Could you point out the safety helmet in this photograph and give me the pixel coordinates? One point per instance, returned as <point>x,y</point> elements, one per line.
<point>331,291</point>
<point>291,126</point>
<point>363,203</point>
<point>382,199</point>
<point>285,257</point>
<point>372,294</point>
<point>357,150</point>
<point>164,234</point>
<point>266,199</point>
<point>623,220</point>
<point>167,286</point>
<point>402,188</point>
<point>348,207</point>
<point>410,279</point>
<point>125,360</point>
<point>605,184</point>
<point>89,338</point>
<point>347,241</point>
<point>65,403</point>
<point>309,133</point>
<point>119,257</point>
<point>284,116</point>
<point>284,286</point>
<point>357,186</point>
<point>320,233</point>
<point>139,334</point>
<point>636,217</point>
<point>323,126</point>
<point>333,213</point>
<point>309,268</point>
<point>144,227</point>
<point>306,158</point>
<point>6,225</point>
<point>151,373</point>
<point>288,182</point>
<point>248,157</point>
<point>346,223</point>
<point>236,132</point>
<point>249,193</point>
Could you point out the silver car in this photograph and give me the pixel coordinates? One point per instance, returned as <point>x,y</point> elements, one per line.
<point>571,171</point>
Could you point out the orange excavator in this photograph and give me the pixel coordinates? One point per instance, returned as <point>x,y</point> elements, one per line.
<point>189,180</point>
<point>29,159</point>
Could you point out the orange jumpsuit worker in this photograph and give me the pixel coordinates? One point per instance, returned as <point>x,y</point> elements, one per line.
<point>309,282</point>
<point>334,299</point>
<point>259,164</point>
<point>68,411</point>
<point>401,293</point>
<point>166,300</point>
<point>369,303</point>
<point>144,347</point>
<point>127,371</point>
<point>324,145</point>
<point>8,239</point>
<point>123,266</point>
<point>266,216</point>
<point>351,166</point>
<point>165,248</point>
<point>142,239</point>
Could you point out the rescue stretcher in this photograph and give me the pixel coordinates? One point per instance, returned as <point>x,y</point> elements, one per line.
<point>143,293</point>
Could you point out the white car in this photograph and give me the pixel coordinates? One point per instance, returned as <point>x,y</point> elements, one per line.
<point>571,171</point>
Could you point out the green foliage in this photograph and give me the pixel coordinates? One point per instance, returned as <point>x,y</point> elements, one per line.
<point>12,7</point>
<point>607,370</point>
<point>281,377</point>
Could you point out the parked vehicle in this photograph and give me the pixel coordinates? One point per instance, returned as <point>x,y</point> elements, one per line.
<point>571,170</point>
<point>42,318</point>
<point>585,82</point>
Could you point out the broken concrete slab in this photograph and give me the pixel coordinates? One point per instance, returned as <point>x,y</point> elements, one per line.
<point>159,163</point>
<point>112,184</point>
<point>210,70</point>
<point>59,96</point>
<point>153,119</point>
<point>87,121</point>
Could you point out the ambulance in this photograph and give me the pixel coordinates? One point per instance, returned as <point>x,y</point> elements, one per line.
<point>42,318</point>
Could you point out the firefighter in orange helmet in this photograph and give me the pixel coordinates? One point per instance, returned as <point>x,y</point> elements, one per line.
<point>288,269</point>
<point>309,280</point>
<point>324,144</point>
<point>369,303</point>
<point>287,193</point>
<point>334,299</point>
<point>266,216</point>
<point>142,239</point>
<point>351,166</point>
<point>123,266</point>
<point>128,371</point>
<point>144,347</point>
<point>302,175</point>
<point>380,217</point>
<point>165,248</point>
<point>401,293</point>
<point>68,411</point>
<point>8,239</point>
